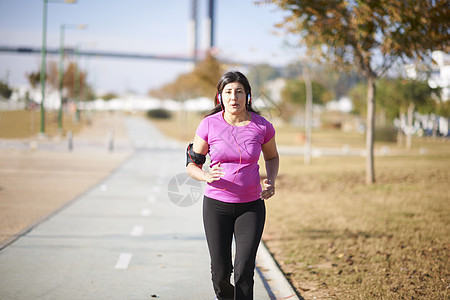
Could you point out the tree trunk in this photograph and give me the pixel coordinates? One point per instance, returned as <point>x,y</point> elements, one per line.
<point>370,130</point>
<point>308,117</point>
<point>410,125</point>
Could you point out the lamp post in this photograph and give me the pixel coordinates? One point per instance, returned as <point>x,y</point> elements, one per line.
<point>44,54</point>
<point>61,68</point>
<point>77,85</point>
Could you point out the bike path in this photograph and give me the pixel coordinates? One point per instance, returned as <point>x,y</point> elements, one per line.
<point>122,239</point>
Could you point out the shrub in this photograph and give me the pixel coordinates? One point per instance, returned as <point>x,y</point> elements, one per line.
<point>159,114</point>
<point>385,134</point>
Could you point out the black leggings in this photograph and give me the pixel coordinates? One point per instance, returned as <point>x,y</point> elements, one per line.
<point>246,222</point>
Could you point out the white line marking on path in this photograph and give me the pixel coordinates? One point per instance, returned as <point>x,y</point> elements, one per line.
<point>137,231</point>
<point>146,212</point>
<point>123,261</point>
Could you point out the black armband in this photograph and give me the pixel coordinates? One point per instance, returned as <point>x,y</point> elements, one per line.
<point>192,157</point>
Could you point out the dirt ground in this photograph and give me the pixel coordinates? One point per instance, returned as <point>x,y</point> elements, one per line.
<point>40,175</point>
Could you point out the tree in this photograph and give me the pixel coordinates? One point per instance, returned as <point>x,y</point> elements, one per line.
<point>109,96</point>
<point>295,92</point>
<point>370,35</point>
<point>206,75</point>
<point>74,80</point>
<point>398,97</point>
<point>201,82</point>
<point>5,90</point>
<point>443,109</point>
<point>339,82</point>
<point>412,94</point>
<point>34,78</point>
<point>73,77</point>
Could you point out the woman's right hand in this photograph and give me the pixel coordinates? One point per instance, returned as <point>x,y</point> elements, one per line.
<point>214,174</point>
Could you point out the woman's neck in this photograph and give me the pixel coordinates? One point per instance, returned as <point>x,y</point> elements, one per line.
<point>237,120</point>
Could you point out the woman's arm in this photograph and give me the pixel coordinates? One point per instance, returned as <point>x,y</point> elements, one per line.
<point>272,160</point>
<point>195,171</point>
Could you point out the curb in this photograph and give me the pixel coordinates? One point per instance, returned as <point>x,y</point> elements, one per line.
<point>276,284</point>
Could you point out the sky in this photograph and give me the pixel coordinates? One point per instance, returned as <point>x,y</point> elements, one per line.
<point>243,32</point>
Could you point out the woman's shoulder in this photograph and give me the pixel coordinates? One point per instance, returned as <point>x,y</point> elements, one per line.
<point>216,115</point>
<point>210,119</point>
<point>259,120</point>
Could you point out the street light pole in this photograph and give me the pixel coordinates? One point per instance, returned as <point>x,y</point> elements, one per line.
<point>61,76</point>
<point>42,77</point>
<point>43,60</point>
<point>77,84</point>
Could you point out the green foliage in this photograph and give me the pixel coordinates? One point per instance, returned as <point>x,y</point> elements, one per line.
<point>358,94</point>
<point>109,96</point>
<point>338,82</point>
<point>418,92</point>
<point>5,90</point>
<point>394,96</point>
<point>159,113</point>
<point>385,134</point>
<point>34,78</point>
<point>443,109</point>
<point>295,92</point>
<point>87,93</point>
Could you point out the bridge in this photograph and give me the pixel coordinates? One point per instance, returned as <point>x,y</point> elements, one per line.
<point>193,42</point>
<point>33,50</point>
<point>111,54</point>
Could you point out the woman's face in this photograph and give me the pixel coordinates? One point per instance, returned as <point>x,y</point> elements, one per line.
<point>233,97</point>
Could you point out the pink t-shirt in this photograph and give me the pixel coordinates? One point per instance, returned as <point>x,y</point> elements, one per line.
<point>238,149</point>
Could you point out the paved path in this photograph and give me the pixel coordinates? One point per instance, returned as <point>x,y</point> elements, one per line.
<point>122,239</point>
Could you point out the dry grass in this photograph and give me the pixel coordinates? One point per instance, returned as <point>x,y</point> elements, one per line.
<point>182,126</point>
<point>334,138</point>
<point>337,238</point>
<point>294,136</point>
<point>33,184</point>
<point>36,182</point>
<point>342,239</point>
<point>25,124</point>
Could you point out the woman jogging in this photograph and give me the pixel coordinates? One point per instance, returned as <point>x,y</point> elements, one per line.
<point>234,135</point>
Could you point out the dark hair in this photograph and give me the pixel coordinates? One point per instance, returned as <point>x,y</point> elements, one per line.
<point>229,77</point>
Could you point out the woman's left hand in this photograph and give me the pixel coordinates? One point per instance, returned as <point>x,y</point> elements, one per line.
<point>269,189</point>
